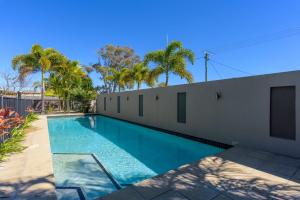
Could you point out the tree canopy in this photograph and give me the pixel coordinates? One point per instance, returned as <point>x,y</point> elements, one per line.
<point>38,60</point>
<point>70,82</point>
<point>119,67</point>
<point>171,60</point>
<point>66,79</point>
<point>112,60</point>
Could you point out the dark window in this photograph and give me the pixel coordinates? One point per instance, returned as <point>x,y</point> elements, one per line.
<point>118,104</point>
<point>104,104</point>
<point>141,106</point>
<point>282,112</point>
<point>181,107</point>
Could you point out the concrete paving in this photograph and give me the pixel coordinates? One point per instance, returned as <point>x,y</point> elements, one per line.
<point>29,175</point>
<point>235,174</point>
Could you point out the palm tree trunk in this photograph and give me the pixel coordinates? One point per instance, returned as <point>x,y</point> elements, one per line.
<point>138,85</point>
<point>167,76</point>
<point>114,87</point>
<point>68,103</point>
<point>43,92</point>
<point>105,86</point>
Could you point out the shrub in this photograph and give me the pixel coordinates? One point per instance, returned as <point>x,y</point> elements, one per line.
<point>14,143</point>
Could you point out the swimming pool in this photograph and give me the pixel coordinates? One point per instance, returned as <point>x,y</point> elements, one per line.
<point>130,152</point>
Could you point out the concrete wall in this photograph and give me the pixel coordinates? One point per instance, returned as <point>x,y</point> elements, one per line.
<point>241,116</point>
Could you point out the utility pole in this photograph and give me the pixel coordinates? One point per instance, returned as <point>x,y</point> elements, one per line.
<point>206,58</point>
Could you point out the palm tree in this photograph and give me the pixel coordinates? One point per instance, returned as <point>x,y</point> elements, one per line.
<point>38,60</point>
<point>122,78</point>
<point>140,73</point>
<point>64,79</point>
<point>171,60</point>
<point>36,85</point>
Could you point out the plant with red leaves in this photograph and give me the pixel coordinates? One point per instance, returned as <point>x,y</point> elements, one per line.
<point>9,119</point>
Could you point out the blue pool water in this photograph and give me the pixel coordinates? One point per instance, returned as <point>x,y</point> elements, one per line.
<point>131,153</point>
<point>80,171</point>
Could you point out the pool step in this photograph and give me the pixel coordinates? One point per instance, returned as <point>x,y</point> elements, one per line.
<point>109,175</point>
<point>82,172</point>
<point>67,193</point>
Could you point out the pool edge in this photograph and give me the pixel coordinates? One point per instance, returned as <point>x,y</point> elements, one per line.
<point>183,135</point>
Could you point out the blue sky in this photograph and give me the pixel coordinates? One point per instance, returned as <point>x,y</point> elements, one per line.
<point>268,30</point>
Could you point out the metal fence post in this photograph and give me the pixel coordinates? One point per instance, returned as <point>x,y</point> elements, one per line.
<point>19,96</point>
<point>2,99</point>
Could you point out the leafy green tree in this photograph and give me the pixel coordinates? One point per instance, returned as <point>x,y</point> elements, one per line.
<point>112,59</point>
<point>118,57</point>
<point>141,73</point>
<point>171,60</point>
<point>38,60</point>
<point>104,73</point>
<point>121,78</point>
<point>84,93</point>
<point>64,78</point>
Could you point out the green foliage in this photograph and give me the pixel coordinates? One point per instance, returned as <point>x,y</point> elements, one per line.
<point>127,77</point>
<point>120,72</point>
<point>114,65</point>
<point>118,57</point>
<point>14,144</point>
<point>70,82</point>
<point>119,68</point>
<point>140,73</point>
<point>38,60</point>
<point>171,60</point>
<point>84,93</point>
<point>121,77</point>
<point>49,109</point>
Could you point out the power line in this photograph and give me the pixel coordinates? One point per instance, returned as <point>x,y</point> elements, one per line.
<point>215,69</point>
<point>286,33</point>
<point>247,43</point>
<point>230,67</point>
<point>259,40</point>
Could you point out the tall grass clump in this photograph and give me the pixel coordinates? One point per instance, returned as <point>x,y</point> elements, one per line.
<point>14,144</point>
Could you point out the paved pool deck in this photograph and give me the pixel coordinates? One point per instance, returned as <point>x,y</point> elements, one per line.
<point>237,173</point>
<point>29,175</point>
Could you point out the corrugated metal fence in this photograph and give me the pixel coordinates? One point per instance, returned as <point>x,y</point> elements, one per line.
<point>21,103</point>
<point>18,104</point>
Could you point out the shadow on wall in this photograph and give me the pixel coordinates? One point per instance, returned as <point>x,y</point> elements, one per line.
<point>28,188</point>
